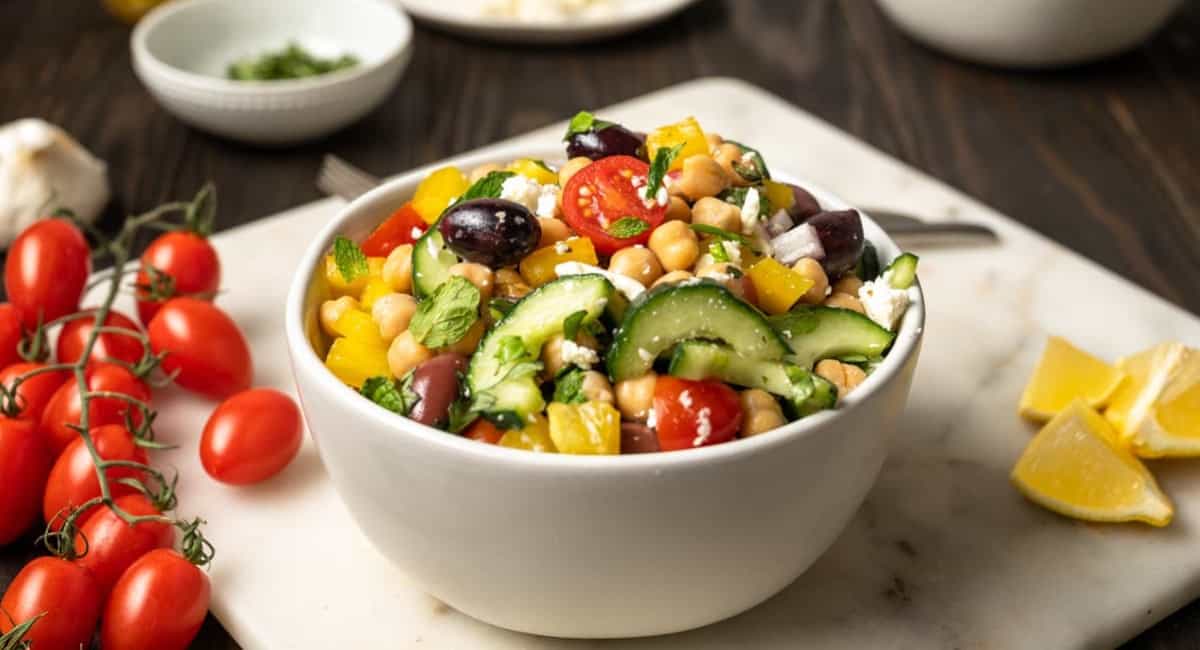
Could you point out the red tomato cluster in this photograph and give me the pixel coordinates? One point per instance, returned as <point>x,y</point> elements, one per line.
<point>119,569</point>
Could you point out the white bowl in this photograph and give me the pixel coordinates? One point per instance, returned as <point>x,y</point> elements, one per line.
<point>1030,33</point>
<point>181,51</point>
<point>587,546</point>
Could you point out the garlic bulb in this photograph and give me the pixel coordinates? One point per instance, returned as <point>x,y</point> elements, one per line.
<point>42,168</point>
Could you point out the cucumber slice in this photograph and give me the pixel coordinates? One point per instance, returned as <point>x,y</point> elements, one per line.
<point>803,392</point>
<point>533,320</point>
<point>816,333</point>
<point>431,262</point>
<point>903,271</point>
<point>662,317</point>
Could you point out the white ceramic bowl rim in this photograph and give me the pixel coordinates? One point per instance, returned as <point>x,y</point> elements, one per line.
<point>165,12</point>
<point>627,12</point>
<point>379,200</point>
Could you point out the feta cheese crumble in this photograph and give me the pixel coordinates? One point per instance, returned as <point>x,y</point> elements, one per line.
<point>561,247</point>
<point>541,200</point>
<point>884,303</point>
<point>703,426</point>
<point>623,283</point>
<point>685,398</point>
<point>750,211</point>
<point>572,353</point>
<point>651,417</point>
<point>661,198</point>
<point>645,355</point>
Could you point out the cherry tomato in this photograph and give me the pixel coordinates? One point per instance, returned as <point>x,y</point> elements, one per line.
<point>694,413</point>
<point>66,593</point>
<point>484,431</point>
<point>607,192</point>
<point>113,545</point>
<point>405,226</point>
<point>251,437</point>
<point>66,407</point>
<point>189,259</point>
<point>158,604</point>
<point>47,269</point>
<point>204,347</point>
<point>121,347</point>
<point>10,334</point>
<point>34,393</point>
<point>73,478</point>
<point>24,466</point>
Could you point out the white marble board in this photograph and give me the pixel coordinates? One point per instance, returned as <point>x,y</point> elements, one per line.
<point>944,554</point>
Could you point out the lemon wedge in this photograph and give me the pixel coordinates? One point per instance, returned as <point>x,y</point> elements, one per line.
<point>1077,467</point>
<point>1158,409</point>
<point>1065,374</point>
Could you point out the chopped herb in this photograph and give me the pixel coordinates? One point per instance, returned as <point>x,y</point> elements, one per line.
<point>568,388</point>
<point>571,324</point>
<point>737,196</point>
<point>350,260</point>
<point>504,419</point>
<point>658,169</point>
<point>512,348</point>
<point>627,227</point>
<point>753,170</point>
<point>461,415</point>
<point>583,122</point>
<point>385,392</point>
<point>499,307</point>
<point>292,62</point>
<point>719,233</point>
<point>717,250</point>
<point>541,163</point>
<point>868,263</point>
<point>445,317</point>
<point>734,272</point>
<point>487,187</point>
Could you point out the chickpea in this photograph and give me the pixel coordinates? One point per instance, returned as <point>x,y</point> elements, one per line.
<point>843,375</point>
<point>761,412</point>
<point>678,210</point>
<point>676,245</point>
<point>595,387</point>
<point>848,284</point>
<point>730,277</point>
<point>635,396</point>
<point>845,301</point>
<point>393,313</point>
<point>478,274</point>
<point>701,177</point>
<point>467,344</point>
<point>405,353</point>
<point>637,262</point>
<point>570,168</point>
<point>712,211</point>
<point>552,360</point>
<point>674,277</point>
<point>811,269</point>
<point>726,156</point>
<point>553,230</point>
<point>397,268</point>
<point>510,284</point>
<point>479,172</point>
<point>332,310</point>
<point>714,140</point>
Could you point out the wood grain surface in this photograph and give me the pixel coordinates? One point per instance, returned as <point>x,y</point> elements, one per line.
<point>1103,158</point>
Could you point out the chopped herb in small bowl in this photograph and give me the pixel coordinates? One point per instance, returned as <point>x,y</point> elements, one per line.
<point>292,62</point>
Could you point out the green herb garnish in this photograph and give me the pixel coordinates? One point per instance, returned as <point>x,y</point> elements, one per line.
<point>541,163</point>
<point>499,307</point>
<point>487,187</point>
<point>737,196</point>
<point>584,122</point>
<point>393,396</point>
<point>571,324</point>
<point>568,388</point>
<point>658,169</point>
<point>445,317</point>
<point>627,227</point>
<point>292,62</point>
<point>753,170</point>
<point>720,233</point>
<point>350,260</point>
<point>718,252</point>
<point>512,348</point>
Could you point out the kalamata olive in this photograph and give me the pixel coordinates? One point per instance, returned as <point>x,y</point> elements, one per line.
<point>436,383</point>
<point>805,204</point>
<point>841,235</point>
<point>614,140</point>
<point>492,232</point>
<point>637,438</point>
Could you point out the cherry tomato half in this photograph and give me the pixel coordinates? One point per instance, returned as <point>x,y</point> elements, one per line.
<point>73,478</point>
<point>405,226</point>
<point>484,431</point>
<point>109,345</point>
<point>24,466</point>
<point>47,269</point>
<point>204,347</point>
<point>604,192</point>
<point>35,392</point>
<point>158,604</point>
<point>66,408</point>
<point>64,592</point>
<point>694,413</point>
<point>251,437</point>
<point>10,334</point>
<point>189,259</point>
<point>113,545</point>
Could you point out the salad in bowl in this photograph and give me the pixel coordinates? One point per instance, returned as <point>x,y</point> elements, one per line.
<point>654,292</point>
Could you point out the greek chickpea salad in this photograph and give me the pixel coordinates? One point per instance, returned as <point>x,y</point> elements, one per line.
<point>656,292</point>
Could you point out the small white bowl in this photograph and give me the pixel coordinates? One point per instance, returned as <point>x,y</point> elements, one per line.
<point>181,51</point>
<point>592,546</point>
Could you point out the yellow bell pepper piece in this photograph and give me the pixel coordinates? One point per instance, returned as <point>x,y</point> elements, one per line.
<point>779,195</point>
<point>534,437</point>
<point>529,168</point>
<point>777,286</point>
<point>686,132</point>
<point>376,288</point>
<point>538,267</point>
<point>436,192</point>
<point>354,361</point>
<point>588,428</point>
<point>358,325</point>
<point>338,284</point>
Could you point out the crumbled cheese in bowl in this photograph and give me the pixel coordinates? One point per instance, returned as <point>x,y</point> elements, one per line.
<point>703,426</point>
<point>750,211</point>
<point>623,283</point>
<point>579,355</point>
<point>884,304</point>
<point>542,200</point>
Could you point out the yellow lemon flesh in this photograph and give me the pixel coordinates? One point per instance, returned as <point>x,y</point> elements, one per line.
<point>1158,411</point>
<point>1065,374</point>
<point>1077,467</point>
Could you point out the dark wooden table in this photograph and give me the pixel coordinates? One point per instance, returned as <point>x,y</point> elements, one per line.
<point>1103,158</point>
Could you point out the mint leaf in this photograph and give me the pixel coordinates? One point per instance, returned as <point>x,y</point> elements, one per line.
<point>658,169</point>
<point>584,122</point>
<point>627,227</point>
<point>487,187</point>
<point>499,307</point>
<point>737,196</point>
<point>719,233</point>
<point>512,348</point>
<point>384,392</point>
<point>445,317</point>
<point>542,163</point>
<point>753,170</point>
<point>571,324</point>
<point>717,250</point>
<point>568,389</point>
<point>350,260</point>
